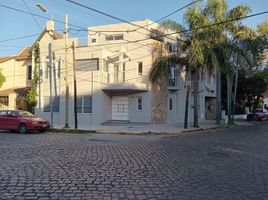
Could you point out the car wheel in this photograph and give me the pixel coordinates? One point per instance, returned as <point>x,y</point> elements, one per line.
<point>22,129</point>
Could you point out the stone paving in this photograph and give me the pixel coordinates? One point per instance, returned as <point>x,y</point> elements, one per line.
<point>221,164</point>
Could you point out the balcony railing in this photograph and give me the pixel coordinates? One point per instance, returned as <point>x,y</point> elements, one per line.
<point>173,83</point>
<point>120,77</point>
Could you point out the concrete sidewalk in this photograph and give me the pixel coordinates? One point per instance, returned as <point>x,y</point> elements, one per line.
<point>146,129</point>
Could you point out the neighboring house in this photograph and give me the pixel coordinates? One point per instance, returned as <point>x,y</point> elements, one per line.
<point>18,73</point>
<point>112,78</point>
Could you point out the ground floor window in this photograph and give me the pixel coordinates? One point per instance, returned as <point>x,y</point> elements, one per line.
<point>4,102</point>
<point>170,104</point>
<point>55,102</point>
<point>139,103</point>
<point>84,104</point>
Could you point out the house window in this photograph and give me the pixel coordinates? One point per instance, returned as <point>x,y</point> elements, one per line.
<point>46,70</point>
<point>170,104</point>
<point>4,102</point>
<point>84,104</point>
<point>114,37</point>
<point>58,69</point>
<point>140,68</point>
<point>124,72</point>
<point>118,37</point>
<point>55,102</point>
<point>208,76</point>
<point>139,103</point>
<point>109,38</point>
<point>173,75</point>
<point>29,72</point>
<point>87,64</point>
<point>93,40</point>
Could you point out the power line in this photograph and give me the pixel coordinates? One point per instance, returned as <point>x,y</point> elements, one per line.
<point>172,13</point>
<point>128,22</point>
<point>103,13</point>
<point>36,15</point>
<point>32,14</point>
<point>216,24</point>
<point>25,12</point>
<point>18,38</point>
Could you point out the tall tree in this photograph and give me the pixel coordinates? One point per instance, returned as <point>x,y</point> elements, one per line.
<point>32,94</point>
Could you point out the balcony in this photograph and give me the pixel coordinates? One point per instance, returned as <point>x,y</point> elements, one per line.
<point>117,84</point>
<point>173,83</point>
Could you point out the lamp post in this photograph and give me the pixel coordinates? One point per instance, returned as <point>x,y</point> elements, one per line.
<point>50,49</point>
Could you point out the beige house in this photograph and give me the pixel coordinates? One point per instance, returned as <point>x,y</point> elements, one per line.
<point>18,73</point>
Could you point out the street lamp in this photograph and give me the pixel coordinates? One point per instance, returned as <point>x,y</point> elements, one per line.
<point>50,49</point>
<point>44,9</point>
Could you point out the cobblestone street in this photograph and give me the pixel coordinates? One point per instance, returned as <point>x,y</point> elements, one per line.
<point>222,164</point>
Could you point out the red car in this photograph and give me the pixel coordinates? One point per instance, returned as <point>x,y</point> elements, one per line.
<point>22,121</point>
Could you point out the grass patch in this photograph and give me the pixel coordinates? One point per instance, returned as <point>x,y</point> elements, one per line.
<point>68,130</point>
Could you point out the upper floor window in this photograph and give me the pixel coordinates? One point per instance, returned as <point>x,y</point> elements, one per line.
<point>140,68</point>
<point>173,75</point>
<point>46,71</point>
<point>29,72</point>
<point>124,71</point>
<point>172,47</point>
<point>93,40</point>
<point>114,37</point>
<point>87,64</point>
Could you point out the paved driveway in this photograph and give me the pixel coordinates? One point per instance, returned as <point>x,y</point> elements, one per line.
<point>223,164</point>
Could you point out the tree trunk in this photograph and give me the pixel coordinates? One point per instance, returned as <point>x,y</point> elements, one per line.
<point>218,97</point>
<point>234,96</point>
<point>188,88</point>
<point>229,96</point>
<point>195,91</point>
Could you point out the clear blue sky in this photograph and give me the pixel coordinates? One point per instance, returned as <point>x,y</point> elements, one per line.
<point>15,24</point>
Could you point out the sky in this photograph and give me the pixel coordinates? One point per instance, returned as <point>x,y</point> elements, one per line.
<point>15,24</point>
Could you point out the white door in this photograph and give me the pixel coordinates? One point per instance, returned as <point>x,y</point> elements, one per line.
<point>120,108</point>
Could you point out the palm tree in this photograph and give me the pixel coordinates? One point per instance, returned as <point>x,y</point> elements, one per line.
<point>189,57</point>
<point>214,48</point>
<point>225,52</point>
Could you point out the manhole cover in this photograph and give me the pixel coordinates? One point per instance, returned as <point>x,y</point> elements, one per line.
<point>217,154</point>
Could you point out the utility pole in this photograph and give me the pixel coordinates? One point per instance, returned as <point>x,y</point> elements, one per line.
<point>66,74</point>
<point>51,99</point>
<point>75,87</point>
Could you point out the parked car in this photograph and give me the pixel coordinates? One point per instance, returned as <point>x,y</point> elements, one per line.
<point>261,115</point>
<point>22,121</point>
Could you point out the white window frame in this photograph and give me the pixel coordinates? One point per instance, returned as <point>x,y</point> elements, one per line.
<point>83,105</point>
<point>140,73</point>
<point>172,104</point>
<point>53,101</point>
<point>29,72</point>
<point>141,104</point>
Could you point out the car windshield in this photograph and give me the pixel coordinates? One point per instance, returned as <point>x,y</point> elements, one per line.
<point>25,114</point>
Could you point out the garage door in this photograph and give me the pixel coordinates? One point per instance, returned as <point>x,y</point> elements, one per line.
<point>120,108</point>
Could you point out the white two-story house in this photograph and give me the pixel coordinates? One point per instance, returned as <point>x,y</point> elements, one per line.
<point>113,79</point>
